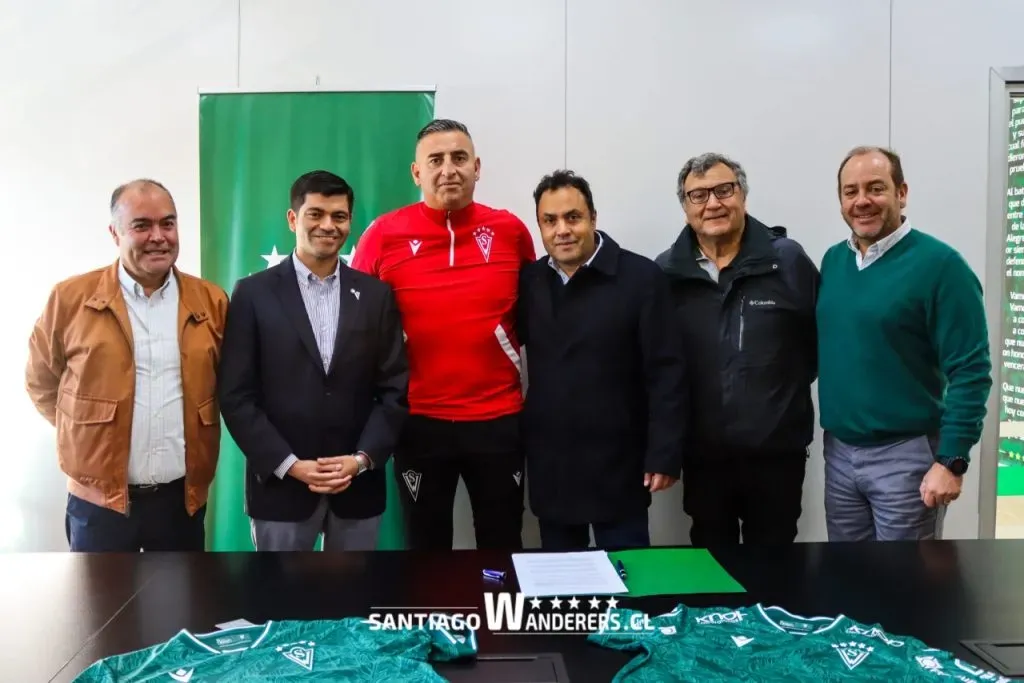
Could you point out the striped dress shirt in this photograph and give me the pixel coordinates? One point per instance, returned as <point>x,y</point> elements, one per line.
<point>322,299</point>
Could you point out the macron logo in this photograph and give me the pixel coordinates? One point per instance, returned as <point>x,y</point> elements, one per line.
<point>415,245</point>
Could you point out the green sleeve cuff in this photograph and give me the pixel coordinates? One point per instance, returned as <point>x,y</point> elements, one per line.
<point>953,447</point>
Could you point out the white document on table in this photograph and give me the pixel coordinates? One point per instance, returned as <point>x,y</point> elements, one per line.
<point>588,572</point>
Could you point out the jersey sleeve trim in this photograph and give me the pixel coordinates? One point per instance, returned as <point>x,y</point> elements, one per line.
<point>506,346</point>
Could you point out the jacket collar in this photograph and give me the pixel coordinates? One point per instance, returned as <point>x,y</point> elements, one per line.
<point>108,291</point>
<point>441,217</point>
<point>605,260</point>
<point>756,250</point>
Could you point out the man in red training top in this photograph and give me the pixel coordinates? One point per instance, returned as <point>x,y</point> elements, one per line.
<point>454,267</point>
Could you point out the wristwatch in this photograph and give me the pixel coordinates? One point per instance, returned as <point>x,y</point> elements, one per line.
<point>364,462</point>
<point>957,466</point>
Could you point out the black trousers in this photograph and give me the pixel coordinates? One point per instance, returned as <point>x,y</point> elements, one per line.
<point>749,495</point>
<point>434,454</point>
<point>633,532</point>
<point>156,521</point>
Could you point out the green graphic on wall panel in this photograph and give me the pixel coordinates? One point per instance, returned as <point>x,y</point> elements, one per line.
<point>1011,389</point>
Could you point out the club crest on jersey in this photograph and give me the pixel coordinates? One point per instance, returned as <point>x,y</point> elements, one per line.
<point>301,653</point>
<point>484,237</point>
<point>853,654</point>
<point>412,482</point>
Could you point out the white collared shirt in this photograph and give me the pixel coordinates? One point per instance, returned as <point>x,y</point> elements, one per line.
<point>562,274</point>
<point>157,450</point>
<point>707,265</point>
<point>878,249</point>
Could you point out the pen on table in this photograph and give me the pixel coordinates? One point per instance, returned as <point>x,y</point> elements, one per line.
<point>494,575</point>
<point>621,569</point>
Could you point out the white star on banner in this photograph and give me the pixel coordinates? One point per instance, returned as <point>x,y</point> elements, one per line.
<point>535,603</point>
<point>594,603</point>
<point>347,258</point>
<point>556,603</point>
<point>612,603</point>
<point>273,258</point>
<point>574,603</point>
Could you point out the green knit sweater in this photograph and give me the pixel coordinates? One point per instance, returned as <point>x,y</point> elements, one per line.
<point>903,346</point>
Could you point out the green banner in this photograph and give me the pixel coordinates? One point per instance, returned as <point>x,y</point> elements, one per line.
<point>1010,479</point>
<point>252,147</point>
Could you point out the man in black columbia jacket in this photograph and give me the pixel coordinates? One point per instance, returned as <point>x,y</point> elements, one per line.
<point>745,295</point>
<point>604,419</point>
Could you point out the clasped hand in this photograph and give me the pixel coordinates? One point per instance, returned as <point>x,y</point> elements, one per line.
<point>658,482</point>
<point>326,475</point>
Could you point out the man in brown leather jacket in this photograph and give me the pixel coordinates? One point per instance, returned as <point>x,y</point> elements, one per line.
<point>123,362</point>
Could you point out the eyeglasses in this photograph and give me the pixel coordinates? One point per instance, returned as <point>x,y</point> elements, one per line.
<point>702,194</point>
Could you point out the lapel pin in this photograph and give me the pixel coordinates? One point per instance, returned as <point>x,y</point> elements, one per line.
<point>355,293</point>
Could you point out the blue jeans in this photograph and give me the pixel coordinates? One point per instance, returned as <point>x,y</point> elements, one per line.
<point>627,533</point>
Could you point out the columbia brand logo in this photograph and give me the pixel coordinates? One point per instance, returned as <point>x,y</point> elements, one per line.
<point>761,302</point>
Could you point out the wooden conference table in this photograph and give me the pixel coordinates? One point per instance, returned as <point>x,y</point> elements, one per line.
<point>63,611</point>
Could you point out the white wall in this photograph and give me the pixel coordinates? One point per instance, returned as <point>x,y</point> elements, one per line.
<point>99,92</point>
<point>940,125</point>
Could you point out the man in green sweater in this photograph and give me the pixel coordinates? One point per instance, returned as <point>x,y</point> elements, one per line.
<point>904,365</point>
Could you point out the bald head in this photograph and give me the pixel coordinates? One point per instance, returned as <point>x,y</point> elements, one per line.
<point>144,225</point>
<point>130,193</point>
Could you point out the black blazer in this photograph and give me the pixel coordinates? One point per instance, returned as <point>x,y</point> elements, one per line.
<point>606,396</point>
<point>277,400</point>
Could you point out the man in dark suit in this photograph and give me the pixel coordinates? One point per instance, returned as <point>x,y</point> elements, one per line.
<point>605,412</point>
<point>313,383</point>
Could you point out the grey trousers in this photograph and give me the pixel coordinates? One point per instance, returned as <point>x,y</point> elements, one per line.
<point>339,534</point>
<point>873,493</point>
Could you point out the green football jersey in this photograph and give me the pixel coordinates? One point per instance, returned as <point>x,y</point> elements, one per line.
<point>849,650</point>
<point>350,649</point>
<point>760,643</point>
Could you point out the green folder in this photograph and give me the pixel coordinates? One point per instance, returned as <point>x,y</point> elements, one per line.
<point>670,571</point>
